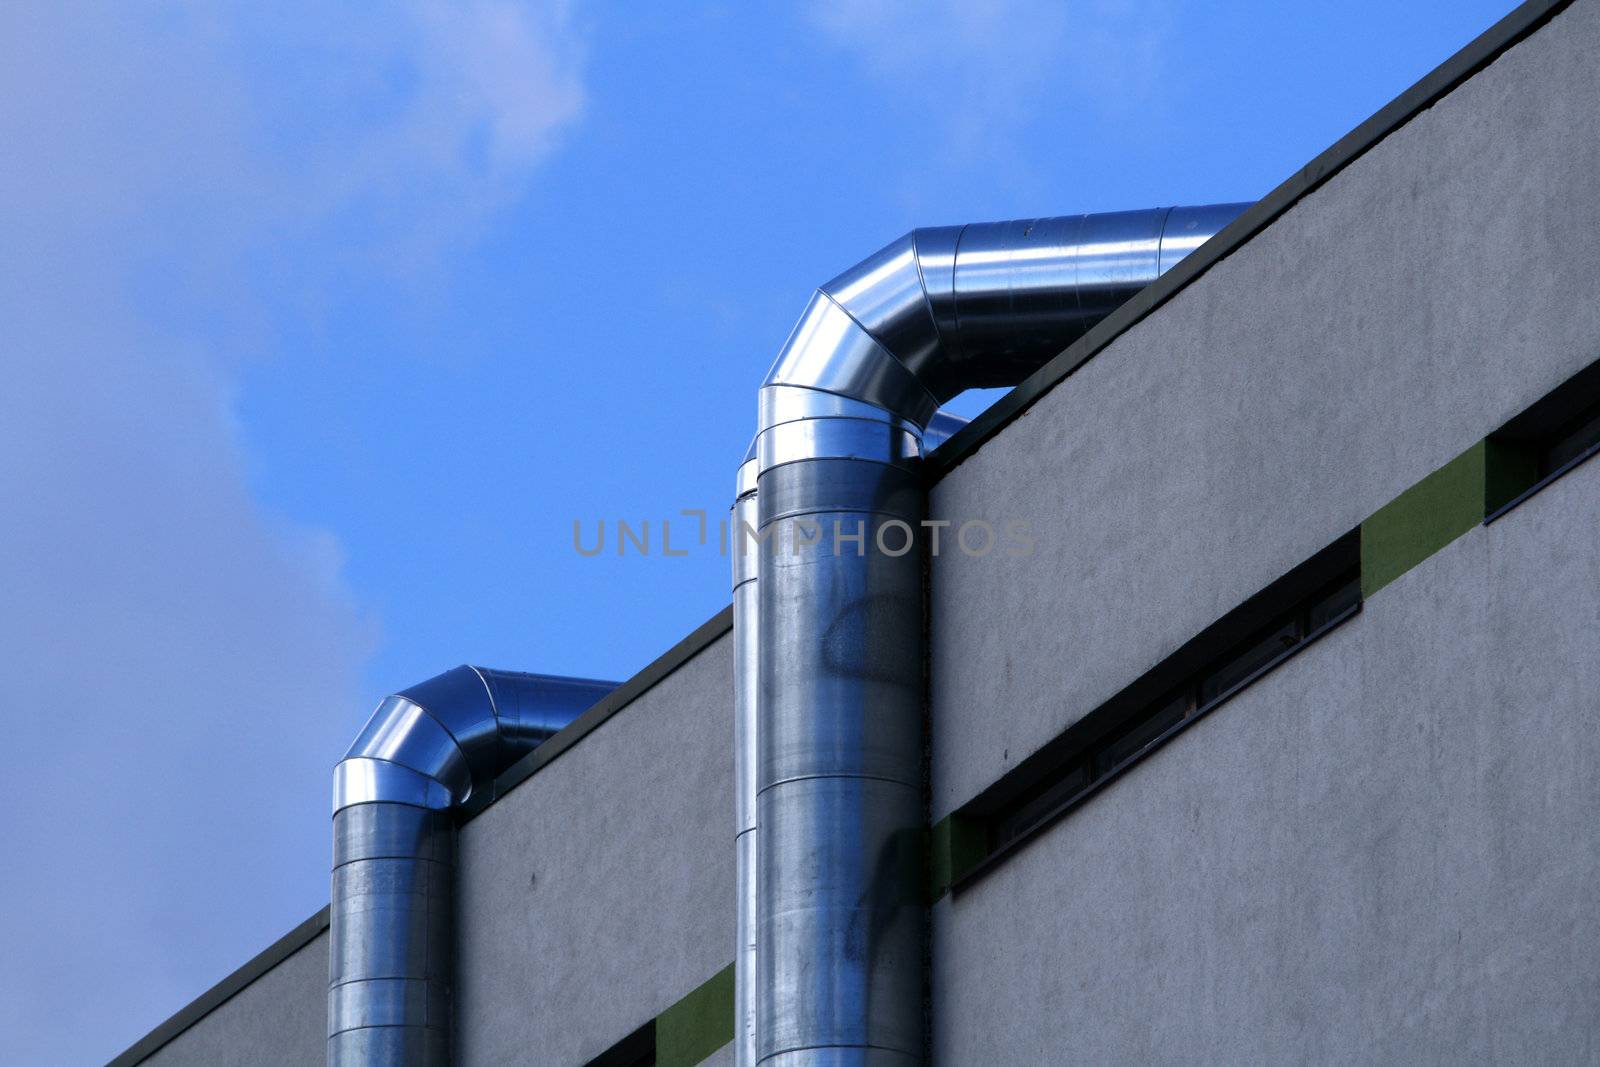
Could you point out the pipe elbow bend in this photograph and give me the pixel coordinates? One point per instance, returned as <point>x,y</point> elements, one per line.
<point>866,336</point>
<point>432,744</point>
<point>945,309</point>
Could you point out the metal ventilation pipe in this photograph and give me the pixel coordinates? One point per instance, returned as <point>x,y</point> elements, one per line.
<point>838,627</point>
<point>421,754</point>
<point>746,644</point>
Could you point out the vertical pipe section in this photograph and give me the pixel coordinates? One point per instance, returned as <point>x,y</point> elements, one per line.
<point>393,902</point>
<point>840,801</point>
<point>746,524</point>
<point>746,645</point>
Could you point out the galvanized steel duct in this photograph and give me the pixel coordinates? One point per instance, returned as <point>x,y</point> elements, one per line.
<point>745,647</point>
<point>422,753</point>
<point>746,621</point>
<point>830,620</point>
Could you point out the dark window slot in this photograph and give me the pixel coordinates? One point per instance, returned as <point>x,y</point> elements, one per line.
<point>1576,444</point>
<point>1141,736</point>
<point>1335,606</point>
<point>1073,780</point>
<point>638,1049</point>
<point>1199,677</point>
<point>1550,438</point>
<point>1266,650</point>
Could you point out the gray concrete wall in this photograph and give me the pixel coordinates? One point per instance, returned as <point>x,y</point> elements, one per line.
<point>600,891</point>
<point>1426,293</point>
<point>591,897</point>
<point>280,1018</point>
<point>1383,852</point>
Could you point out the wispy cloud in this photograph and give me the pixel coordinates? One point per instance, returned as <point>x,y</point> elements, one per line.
<point>181,665</point>
<point>979,73</point>
<point>410,133</point>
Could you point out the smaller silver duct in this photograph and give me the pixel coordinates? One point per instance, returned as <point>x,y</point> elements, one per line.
<point>745,647</point>
<point>422,753</point>
<point>844,416</point>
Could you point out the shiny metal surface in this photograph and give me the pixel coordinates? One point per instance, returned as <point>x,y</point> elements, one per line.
<point>746,969</point>
<point>745,646</point>
<point>392,915</point>
<point>832,837</point>
<point>793,442</point>
<point>941,428</point>
<point>402,732</point>
<point>393,880</point>
<point>778,404</point>
<point>361,780</point>
<point>985,305</point>
<point>532,707</point>
<point>838,699</point>
<point>839,773</point>
<point>1188,228</point>
<point>829,351</point>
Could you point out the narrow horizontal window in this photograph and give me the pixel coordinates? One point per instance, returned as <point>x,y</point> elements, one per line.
<point>1202,675</point>
<point>638,1049</point>
<point>1576,444</point>
<point>1264,651</point>
<point>1550,438</point>
<point>1141,735</point>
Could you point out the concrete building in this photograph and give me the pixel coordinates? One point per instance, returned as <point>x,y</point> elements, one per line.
<point>1276,747</point>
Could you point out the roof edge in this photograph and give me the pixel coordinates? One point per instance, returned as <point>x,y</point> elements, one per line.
<point>302,935</point>
<point>219,994</point>
<point>1429,90</point>
<point>696,642</point>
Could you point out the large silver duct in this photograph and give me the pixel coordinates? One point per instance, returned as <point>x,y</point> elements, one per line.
<point>422,753</point>
<point>746,622</point>
<point>838,624</point>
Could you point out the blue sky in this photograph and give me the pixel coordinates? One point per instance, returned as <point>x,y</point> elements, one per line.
<point>323,325</point>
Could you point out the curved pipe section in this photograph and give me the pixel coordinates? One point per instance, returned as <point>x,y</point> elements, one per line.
<point>422,753</point>
<point>838,751</point>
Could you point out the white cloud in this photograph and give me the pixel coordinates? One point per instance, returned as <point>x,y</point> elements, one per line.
<point>413,131</point>
<point>979,72</point>
<point>181,666</point>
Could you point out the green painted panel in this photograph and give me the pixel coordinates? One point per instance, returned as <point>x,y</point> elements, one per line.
<point>1423,519</point>
<point>1442,507</point>
<point>957,845</point>
<point>699,1024</point>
